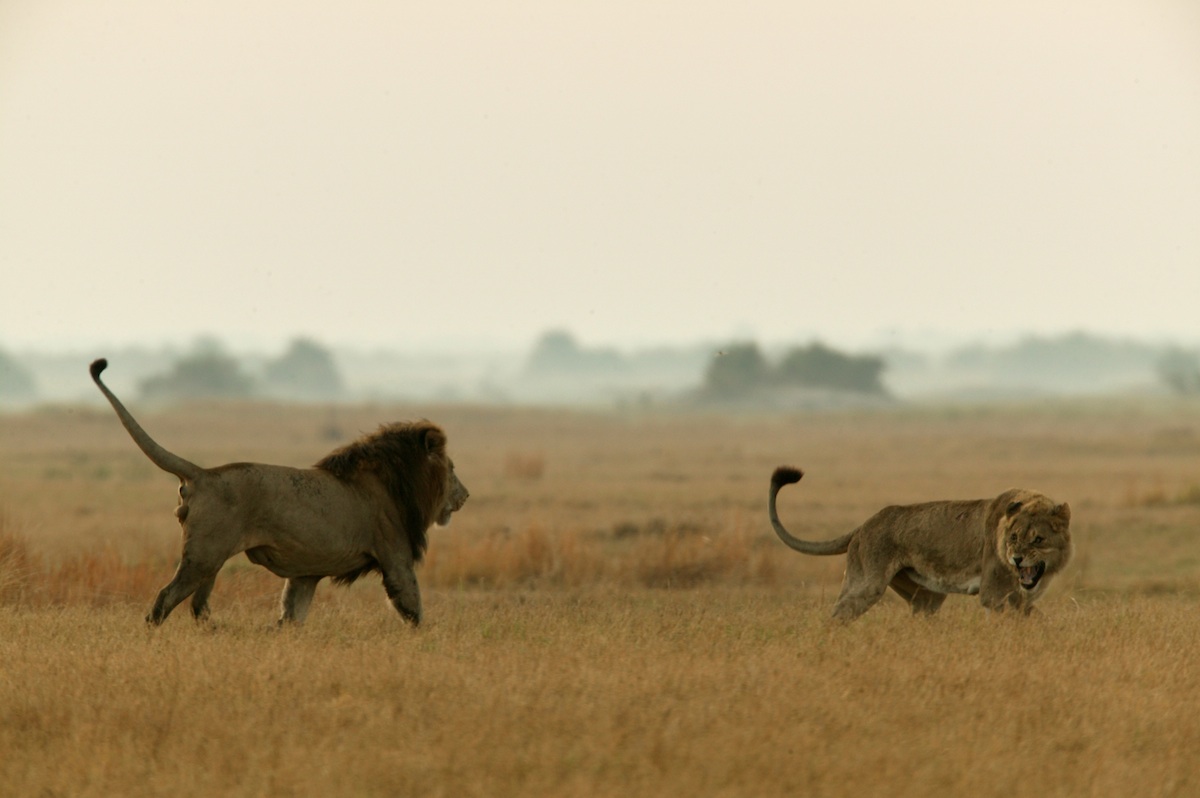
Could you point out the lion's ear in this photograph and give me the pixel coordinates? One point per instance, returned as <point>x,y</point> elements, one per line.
<point>1013,509</point>
<point>1063,511</point>
<point>434,440</point>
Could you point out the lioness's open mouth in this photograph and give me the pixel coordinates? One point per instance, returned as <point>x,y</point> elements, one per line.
<point>1030,575</point>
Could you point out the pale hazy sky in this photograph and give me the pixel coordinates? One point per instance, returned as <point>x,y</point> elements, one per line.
<point>415,174</point>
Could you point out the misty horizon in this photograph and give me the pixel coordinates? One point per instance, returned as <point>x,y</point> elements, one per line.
<point>560,368</point>
<point>925,342</point>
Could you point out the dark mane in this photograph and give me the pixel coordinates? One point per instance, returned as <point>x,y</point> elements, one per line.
<point>409,459</point>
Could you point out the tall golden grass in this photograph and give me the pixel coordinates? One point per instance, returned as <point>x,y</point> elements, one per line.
<point>533,557</point>
<point>604,692</point>
<point>609,614</point>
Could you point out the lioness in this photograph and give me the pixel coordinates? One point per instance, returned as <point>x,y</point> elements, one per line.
<point>365,507</point>
<point>1003,549</point>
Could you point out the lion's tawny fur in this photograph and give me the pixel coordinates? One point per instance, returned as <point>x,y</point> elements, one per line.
<point>364,507</point>
<point>1004,549</point>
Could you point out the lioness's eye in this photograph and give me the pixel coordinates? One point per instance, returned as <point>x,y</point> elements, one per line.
<point>1012,538</point>
<point>1037,541</point>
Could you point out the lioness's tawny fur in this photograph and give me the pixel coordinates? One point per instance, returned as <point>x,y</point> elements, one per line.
<point>365,507</point>
<point>1003,549</point>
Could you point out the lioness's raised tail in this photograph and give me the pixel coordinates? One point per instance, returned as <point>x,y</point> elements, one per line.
<point>787,475</point>
<point>167,461</point>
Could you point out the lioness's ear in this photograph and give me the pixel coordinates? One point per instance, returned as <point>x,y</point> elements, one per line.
<point>1013,509</point>
<point>434,440</point>
<point>1063,511</point>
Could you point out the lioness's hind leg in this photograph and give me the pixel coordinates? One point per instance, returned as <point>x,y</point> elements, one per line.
<point>927,602</point>
<point>853,603</point>
<point>297,596</point>
<point>864,584</point>
<point>921,600</point>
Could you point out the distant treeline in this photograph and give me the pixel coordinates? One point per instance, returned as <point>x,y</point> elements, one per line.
<point>734,372</point>
<point>1079,360</point>
<point>559,369</point>
<point>306,370</point>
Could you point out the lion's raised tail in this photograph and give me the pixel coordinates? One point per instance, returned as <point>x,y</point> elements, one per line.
<point>167,461</point>
<point>787,475</point>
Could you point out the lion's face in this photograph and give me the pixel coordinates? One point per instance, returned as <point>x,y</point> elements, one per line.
<point>1036,540</point>
<point>456,497</point>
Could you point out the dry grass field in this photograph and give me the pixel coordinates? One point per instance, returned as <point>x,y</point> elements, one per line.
<point>610,614</point>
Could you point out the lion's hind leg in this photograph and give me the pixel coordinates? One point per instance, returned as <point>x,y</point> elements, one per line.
<point>190,577</point>
<point>200,598</point>
<point>204,552</point>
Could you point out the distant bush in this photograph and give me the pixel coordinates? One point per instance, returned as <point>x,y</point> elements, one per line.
<point>207,374</point>
<point>737,370</point>
<point>818,366</point>
<point>305,371</point>
<point>16,381</point>
<point>557,352</point>
<point>1180,371</point>
<point>741,370</point>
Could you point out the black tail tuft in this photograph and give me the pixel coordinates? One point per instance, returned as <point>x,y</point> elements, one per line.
<point>786,475</point>
<point>98,365</point>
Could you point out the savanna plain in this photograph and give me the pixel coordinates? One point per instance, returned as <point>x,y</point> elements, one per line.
<point>610,613</point>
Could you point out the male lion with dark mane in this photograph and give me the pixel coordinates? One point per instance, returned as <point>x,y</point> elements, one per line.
<point>364,507</point>
<point>1004,550</point>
